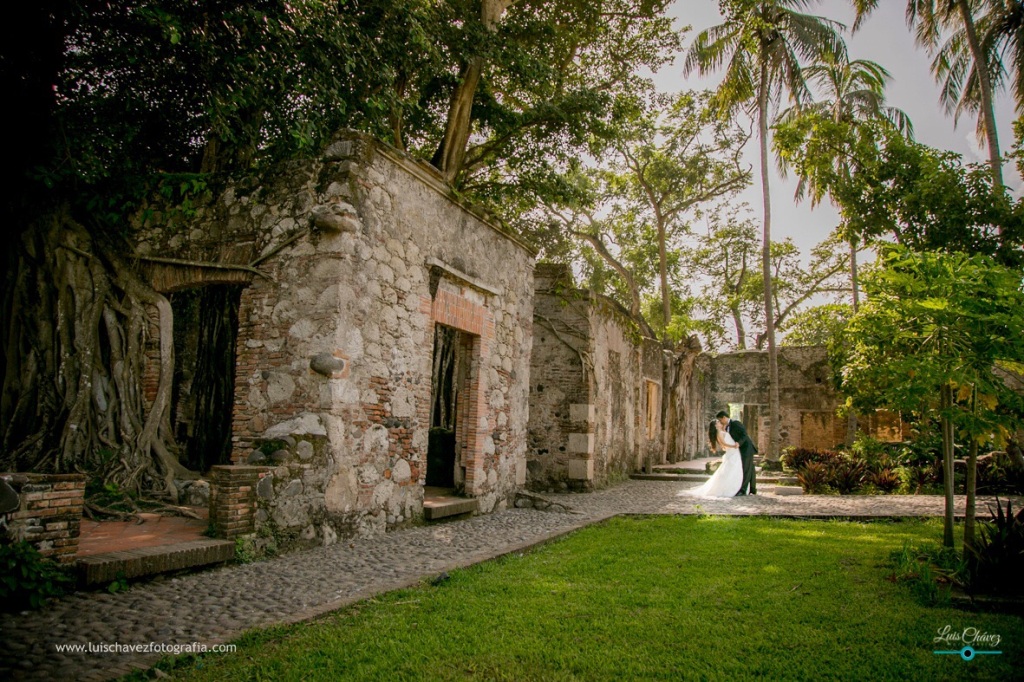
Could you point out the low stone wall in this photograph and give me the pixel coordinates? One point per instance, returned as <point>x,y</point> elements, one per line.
<point>49,513</point>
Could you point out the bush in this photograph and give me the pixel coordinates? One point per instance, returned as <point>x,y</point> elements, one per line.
<point>795,458</point>
<point>886,479</point>
<point>922,477</point>
<point>27,578</point>
<point>997,556</point>
<point>813,477</point>
<point>848,475</point>
<point>876,454</point>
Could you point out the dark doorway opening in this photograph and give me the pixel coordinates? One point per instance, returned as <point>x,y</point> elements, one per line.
<point>205,331</point>
<point>450,368</point>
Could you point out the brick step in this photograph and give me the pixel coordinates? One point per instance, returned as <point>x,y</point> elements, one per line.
<point>442,507</point>
<point>107,567</point>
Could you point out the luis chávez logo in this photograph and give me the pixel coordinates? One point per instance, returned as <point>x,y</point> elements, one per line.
<point>970,638</point>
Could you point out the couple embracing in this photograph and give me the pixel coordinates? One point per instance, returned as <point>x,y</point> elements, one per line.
<point>736,474</point>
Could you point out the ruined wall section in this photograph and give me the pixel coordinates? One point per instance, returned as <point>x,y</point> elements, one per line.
<point>590,377</point>
<point>807,399</point>
<point>361,252</point>
<point>561,376</point>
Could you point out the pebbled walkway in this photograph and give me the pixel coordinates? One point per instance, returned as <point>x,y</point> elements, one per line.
<point>217,606</point>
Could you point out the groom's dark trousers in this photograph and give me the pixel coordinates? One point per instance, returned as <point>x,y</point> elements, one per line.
<point>747,452</point>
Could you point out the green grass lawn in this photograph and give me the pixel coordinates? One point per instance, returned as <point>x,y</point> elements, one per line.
<point>672,598</point>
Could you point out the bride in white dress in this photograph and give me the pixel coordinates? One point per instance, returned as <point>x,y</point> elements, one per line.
<point>726,481</point>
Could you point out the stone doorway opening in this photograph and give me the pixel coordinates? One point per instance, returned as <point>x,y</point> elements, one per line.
<point>750,415</point>
<point>448,393</point>
<point>205,332</point>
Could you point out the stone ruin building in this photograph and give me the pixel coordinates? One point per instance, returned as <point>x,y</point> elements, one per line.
<point>357,349</point>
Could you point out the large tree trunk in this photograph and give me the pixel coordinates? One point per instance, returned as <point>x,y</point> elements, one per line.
<point>766,268</point>
<point>987,109</point>
<point>451,153</point>
<point>666,297</point>
<point>946,401</point>
<point>73,363</point>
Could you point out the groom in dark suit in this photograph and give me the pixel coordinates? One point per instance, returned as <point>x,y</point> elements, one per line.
<point>747,451</point>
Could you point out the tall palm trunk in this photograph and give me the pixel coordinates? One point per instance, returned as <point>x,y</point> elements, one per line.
<point>766,266</point>
<point>985,83</point>
<point>851,424</point>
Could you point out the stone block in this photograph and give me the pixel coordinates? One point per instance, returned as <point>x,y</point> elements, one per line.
<point>581,469</point>
<point>582,412</point>
<point>788,490</point>
<point>581,443</point>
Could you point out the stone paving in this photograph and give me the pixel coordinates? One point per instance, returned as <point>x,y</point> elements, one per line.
<point>217,606</point>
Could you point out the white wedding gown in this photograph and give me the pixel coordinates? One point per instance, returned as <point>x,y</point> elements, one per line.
<point>727,479</point>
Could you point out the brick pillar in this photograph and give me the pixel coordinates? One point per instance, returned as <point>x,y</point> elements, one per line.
<point>49,513</point>
<point>233,499</point>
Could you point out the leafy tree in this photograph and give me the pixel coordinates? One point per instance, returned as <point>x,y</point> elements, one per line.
<point>123,99</point>
<point>849,92</point>
<point>726,257</point>
<point>886,186</point>
<point>820,325</point>
<point>670,156</point>
<point>960,55</point>
<point>947,325</point>
<point>763,41</point>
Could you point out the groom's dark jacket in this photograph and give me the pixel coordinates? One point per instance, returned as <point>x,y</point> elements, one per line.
<point>739,434</point>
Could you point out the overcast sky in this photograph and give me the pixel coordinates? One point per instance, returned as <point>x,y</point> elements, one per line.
<point>883,38</point>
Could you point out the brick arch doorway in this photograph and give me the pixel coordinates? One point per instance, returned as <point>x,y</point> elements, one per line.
<point>450,389</point>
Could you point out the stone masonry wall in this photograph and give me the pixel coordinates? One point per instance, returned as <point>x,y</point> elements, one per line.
<point>806,395</point>
<point>49,514</point>
<point>362,252</point>
<point>591,378</point>
<point>808,401</point>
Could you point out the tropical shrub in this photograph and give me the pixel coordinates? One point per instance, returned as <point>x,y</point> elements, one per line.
<point>848,475</point>
<point>997,556</point>
<point>886,479</point>
<point>813,477</point>
<point>27,578</point>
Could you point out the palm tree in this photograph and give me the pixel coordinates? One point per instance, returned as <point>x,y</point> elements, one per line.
<point>959,57</point>
<point>763,41</point>
<point>1000,31</point>
<point>849,91</point>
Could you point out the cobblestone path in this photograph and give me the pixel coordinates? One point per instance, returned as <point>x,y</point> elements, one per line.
<point>216,606</point>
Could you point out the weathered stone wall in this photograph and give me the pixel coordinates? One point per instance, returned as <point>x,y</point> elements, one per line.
<point>591,379</point>
<point>48,513</point>
<point>807,398</point>
<point>362,252</point>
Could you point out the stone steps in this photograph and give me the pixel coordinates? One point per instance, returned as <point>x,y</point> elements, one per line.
<point>106,567</point>
<point>443,507</point>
